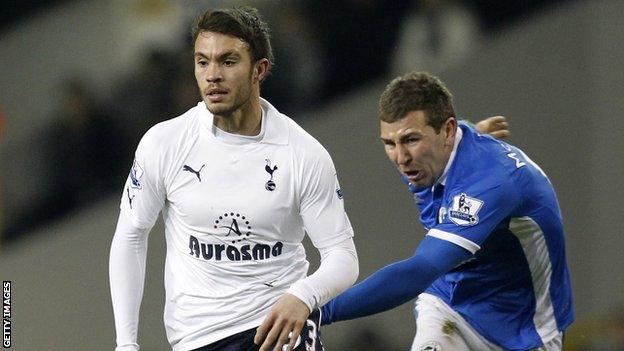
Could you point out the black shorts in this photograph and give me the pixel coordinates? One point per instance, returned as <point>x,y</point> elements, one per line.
<point>309,340</point>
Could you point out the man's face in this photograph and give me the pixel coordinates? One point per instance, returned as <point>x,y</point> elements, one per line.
<point>418,151</point>
<point>224,72</point>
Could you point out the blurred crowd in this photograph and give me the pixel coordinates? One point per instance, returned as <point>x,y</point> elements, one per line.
<point>324,49</point>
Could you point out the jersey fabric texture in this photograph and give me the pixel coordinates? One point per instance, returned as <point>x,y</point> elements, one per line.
<point>510,281</point>
<point>235,210</point>
<point>500,206</point>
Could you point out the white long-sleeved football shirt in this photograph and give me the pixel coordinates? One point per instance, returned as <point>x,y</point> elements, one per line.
<point>235,210</point>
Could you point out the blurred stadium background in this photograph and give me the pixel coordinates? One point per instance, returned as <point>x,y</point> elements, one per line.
<point>80,81</point>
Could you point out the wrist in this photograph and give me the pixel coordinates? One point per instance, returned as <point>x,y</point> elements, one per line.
<point>304,293</point>
<point>326,313</point>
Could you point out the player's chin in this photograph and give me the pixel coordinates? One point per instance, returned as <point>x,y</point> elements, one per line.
<point>218,108</point>
<point>422,183</point>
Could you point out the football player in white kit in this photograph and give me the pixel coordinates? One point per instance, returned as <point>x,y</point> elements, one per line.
<point>238,184</point>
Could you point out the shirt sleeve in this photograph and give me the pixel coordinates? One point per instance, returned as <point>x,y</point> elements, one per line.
<point>326,223</point>
<point>144,193</point>
<point>472,213</point>
<point>469,218</point>
<point>127,276</point>
<point>338,270</point>
<point>142,199</point>
<point>321,205</point>
<point>396,283</point>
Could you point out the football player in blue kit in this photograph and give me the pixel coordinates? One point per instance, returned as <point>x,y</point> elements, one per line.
<point>493,260</point>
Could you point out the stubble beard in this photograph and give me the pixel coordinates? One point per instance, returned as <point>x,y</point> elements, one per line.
<point>239,100</point>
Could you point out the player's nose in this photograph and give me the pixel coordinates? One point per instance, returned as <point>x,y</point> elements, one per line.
<point>403,156</point>
<point>213,73</point>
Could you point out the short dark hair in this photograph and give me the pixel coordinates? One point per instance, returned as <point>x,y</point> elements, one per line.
<point>417,91</point>
<point>244,23</point>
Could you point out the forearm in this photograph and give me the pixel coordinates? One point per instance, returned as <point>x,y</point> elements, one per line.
<point>127,275</point>
<point>338,271</point>
<point>397,283</point>
<point>387,288</point>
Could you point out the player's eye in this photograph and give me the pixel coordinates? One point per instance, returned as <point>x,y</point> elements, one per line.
<point>202,63</point>
<point>411,140</point>
<point>229,63</point>
<point>388,144</point>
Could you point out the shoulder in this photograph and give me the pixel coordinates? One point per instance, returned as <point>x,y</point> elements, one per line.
<point>171,133</point>
<point>286,131</point>
<point>483,161</point>
<point>482,173</point>
<point>305,145</point>
<point>302,139</point>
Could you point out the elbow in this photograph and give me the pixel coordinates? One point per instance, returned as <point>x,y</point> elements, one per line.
<point>352,269</point>
<point>347,271</point>
<point>356,270</point>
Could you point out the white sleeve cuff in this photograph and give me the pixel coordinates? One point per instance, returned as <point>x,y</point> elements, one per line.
<point>455,239</point>
<point>300,289</point>
<point>338,271</point>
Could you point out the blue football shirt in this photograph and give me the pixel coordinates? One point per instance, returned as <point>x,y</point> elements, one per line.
<point>499,205</point>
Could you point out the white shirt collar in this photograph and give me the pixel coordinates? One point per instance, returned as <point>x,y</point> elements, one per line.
<point>458,137</point>
<point>274,128</point>
<point>238,139</point>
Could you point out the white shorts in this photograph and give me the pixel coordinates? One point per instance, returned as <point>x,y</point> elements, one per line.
<point>440,328</point>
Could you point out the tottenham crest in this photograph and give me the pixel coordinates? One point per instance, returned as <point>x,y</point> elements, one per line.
<point>464,210</point>
<point>270,184</point>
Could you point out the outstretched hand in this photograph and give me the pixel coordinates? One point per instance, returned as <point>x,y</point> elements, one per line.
<point>496,126</point>
<point>287,316</point>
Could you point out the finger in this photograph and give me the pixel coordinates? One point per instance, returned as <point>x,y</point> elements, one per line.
<point>295,335</point>
<point>496,127</point>
<point>283,338</point>
<point>501,134</point>
<point>271,337</point>
<point>262,330</point>
<point>503,125</point>
<point>497,119</point>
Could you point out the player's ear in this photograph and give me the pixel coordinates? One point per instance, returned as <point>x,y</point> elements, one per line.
<point>450,129</point>
<point>261,70</point>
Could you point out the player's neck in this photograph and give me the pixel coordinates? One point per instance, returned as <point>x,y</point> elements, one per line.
<point>247,120</point>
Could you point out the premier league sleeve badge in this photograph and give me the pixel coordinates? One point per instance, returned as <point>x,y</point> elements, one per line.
<point>135,175</point>
<point>465,209</point>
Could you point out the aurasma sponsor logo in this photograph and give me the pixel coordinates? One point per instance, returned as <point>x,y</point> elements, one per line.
<point>221,252</point>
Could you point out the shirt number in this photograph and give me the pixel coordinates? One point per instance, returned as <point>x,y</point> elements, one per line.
<point>513,156</point>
